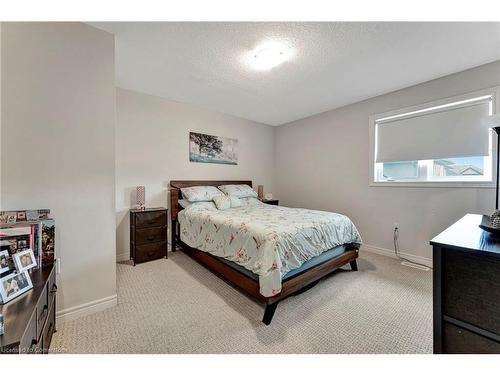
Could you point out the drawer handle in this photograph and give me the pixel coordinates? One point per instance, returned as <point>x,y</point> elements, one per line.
<point>151,253</point>
<point>151,238</point>
<point>50,328</point>
<point>43,313</point>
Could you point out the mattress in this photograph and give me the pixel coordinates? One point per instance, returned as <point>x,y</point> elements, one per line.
<point>269,241</point>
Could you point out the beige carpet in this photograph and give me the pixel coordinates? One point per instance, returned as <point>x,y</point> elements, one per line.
<point>177,306</point>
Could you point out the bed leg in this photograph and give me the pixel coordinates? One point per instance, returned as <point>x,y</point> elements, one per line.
<point>354,265</point>
<point>269,313</point>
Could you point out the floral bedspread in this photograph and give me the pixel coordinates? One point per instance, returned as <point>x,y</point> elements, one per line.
<point>268,240</point>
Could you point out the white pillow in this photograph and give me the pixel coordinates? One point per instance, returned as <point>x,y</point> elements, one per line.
<point>235,201</point>
<point>200,193</point>
<point>250,201</point>
<point>203,205</point>
<point>240,191</point>
<point>184,203</point>
<point>222,202</point>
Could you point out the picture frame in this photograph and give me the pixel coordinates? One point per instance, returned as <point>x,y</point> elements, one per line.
<point>22,244</point>
<point>4,261</point>
<point>13,285</point>
<point>24,260</point>
<point>206,148</point>
<point>11,217</point>
<point>21,216</point>
<point>48,242</point>
<point>4,217</point>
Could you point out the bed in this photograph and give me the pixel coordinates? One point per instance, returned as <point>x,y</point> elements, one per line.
<point>268,252</point>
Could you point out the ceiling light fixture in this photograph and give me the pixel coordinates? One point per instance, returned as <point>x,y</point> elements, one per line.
<point>269,55</point>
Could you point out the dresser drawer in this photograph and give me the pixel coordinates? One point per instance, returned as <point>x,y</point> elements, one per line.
<point>52,287</point>
<point>471,289</point>
<point>42,309</point>
<point>48,330</point>
<point>29,342</point>
<point>157,250</point>
<point>457,340</point>
<point>149,235</point>
<point>150,219</point>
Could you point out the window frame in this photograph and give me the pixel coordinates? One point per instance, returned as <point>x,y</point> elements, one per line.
<point>421,180</point>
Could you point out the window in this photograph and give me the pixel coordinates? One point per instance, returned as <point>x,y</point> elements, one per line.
<point>446,142</point>
<point>400,169</point>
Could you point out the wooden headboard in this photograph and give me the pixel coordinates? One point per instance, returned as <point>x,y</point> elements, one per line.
<point>175,195</point>
<point>176,185</point>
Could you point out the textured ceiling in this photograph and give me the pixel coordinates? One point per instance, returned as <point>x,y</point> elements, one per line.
<point>334,64</point>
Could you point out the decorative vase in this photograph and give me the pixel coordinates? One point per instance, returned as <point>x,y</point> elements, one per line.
<point>140,194</point>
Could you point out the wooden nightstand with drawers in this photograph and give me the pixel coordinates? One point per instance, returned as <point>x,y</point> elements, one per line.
<point>148,234</point>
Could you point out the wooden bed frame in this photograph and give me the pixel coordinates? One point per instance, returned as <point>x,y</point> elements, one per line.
<point>292,286</point>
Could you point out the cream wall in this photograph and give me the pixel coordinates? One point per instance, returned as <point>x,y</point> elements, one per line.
<point>322,162</point>
<point>57,148</point>
<point>152,148</point>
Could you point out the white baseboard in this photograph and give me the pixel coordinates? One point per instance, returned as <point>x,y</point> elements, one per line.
<point>86,308</point>
<point>390,253</point>
<point>122,257</point>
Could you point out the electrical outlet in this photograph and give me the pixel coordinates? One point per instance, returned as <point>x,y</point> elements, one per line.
<point>58,266</point>
<point>396,225</point>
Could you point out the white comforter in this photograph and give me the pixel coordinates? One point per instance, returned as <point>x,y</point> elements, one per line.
<point>268,240</point>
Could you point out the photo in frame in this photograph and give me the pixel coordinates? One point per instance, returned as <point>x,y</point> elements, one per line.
<point>24,260</point>
<point>4,261</point>
<point>13,285</point>
<point>48,242</point>
<point>21,216</point>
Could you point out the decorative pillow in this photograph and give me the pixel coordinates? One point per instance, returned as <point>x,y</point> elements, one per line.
<point>200,193</point>
<point>235,201</point>
<point>240,191</point>
<point>250,201</point>
<point>222,202</point>
<point>204,205</point>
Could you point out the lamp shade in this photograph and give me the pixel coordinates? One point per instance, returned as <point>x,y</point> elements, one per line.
<point>140,195</point>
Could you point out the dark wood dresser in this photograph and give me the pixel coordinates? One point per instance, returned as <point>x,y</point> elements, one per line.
<point>466,289</point>
<point>30,319</point>
<point>148,234</point>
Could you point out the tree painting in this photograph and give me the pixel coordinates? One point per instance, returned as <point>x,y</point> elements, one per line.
<point>205,148</point>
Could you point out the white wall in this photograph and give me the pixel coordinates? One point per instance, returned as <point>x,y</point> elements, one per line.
<point>152,148</point>
<point>58,117</point>
<point>322,162</point>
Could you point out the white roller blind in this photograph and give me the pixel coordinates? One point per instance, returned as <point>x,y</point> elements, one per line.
<point>452,132</point>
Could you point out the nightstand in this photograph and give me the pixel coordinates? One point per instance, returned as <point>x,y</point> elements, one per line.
<point>274,202</point>
<point>148,234</point>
